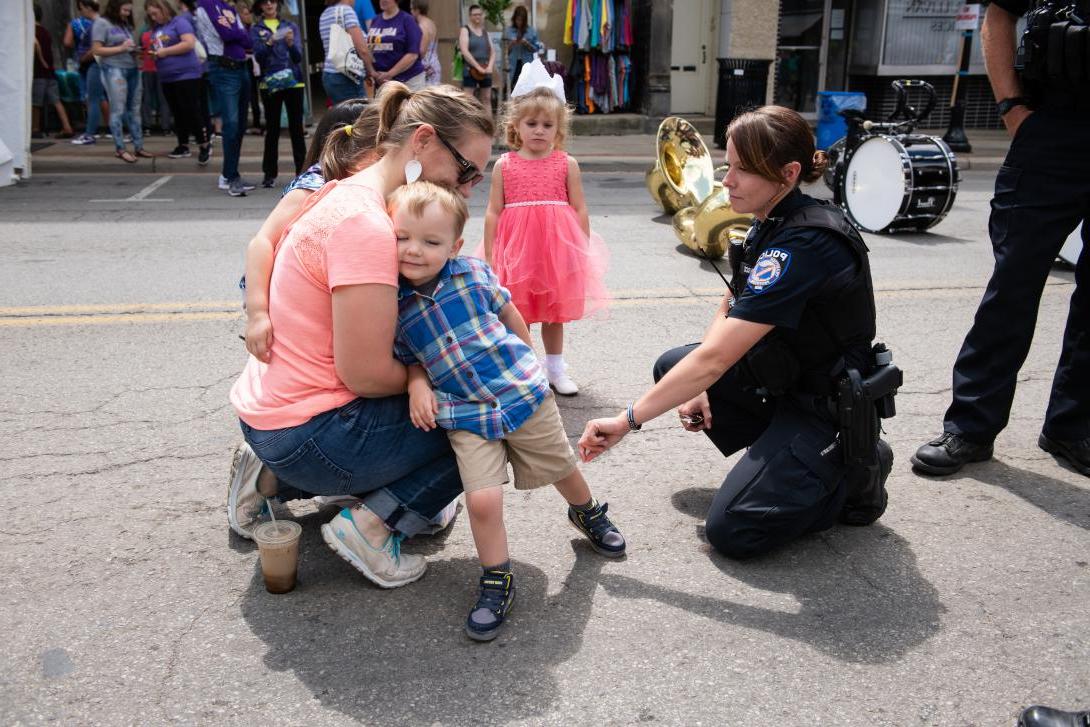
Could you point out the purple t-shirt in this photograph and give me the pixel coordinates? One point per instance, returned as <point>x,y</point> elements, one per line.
<point>183,67</point>
<point>233,34</point>
<point>390,39</point>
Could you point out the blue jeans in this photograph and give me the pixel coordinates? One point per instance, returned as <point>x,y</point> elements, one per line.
<point>230,89</point>
<point>370,449</point>
<point>340,87</point>
<point>95,93</point>
<point>123,89</point>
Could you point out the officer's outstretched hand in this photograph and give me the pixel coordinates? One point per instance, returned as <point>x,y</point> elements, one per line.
<point>696,414</point>
<point>600,435</point>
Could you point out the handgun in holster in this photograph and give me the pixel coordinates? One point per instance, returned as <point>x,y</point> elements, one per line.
<point>861,401</point>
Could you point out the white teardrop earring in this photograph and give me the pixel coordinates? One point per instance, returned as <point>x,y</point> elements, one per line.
<point>413,170</point>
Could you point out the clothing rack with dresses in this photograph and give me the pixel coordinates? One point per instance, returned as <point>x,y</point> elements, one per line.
<point>600,32</point>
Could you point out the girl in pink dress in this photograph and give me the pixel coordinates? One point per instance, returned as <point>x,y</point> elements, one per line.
<point>537,233</point>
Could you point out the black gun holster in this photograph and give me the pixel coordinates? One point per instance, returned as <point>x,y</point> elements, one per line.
<point>860,402</point>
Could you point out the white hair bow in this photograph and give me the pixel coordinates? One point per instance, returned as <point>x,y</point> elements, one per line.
<point>534,75</point>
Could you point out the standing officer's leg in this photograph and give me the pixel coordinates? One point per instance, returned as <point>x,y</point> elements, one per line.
<point>790,482</point>
<point>1037,203</point>
<point>1067,422</point>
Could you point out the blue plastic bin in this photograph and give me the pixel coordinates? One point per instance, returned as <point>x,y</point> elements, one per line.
<point>831,124</point>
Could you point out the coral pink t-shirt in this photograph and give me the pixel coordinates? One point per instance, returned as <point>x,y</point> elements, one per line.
<point>344,237</point>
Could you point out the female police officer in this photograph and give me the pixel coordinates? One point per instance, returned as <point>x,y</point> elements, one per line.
<point>766,376</point>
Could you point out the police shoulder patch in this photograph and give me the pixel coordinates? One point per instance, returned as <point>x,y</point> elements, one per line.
<point>769,268</point>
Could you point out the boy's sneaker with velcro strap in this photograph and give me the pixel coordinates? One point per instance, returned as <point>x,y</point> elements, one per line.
<point>496,596</point>
<point>593,522</point>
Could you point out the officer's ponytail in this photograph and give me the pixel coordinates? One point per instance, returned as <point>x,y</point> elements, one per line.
<point>770,137</point>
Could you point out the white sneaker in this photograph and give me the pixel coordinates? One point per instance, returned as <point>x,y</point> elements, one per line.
<point>244,502</point>
<point>561,383</point>
<point>223,183</point>
<point>385,566</point>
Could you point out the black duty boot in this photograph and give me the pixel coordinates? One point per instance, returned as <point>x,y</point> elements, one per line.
<point>1037,716</point>
<point>1076,452</point>
<point>867,500</point>
<point>948,454</point>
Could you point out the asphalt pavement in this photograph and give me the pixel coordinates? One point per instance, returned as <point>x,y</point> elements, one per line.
<point>128,601</point>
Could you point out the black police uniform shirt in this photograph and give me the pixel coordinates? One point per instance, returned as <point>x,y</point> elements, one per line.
<point>794,266</point>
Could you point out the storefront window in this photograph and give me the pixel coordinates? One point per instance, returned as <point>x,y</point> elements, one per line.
<point>798,53</point>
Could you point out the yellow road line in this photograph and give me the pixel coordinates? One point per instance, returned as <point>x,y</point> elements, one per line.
<point>91,309</point>
<point>218,310</point>
<point>38,321</point>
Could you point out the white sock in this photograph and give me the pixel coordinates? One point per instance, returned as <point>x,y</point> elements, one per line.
<point>554,363</point>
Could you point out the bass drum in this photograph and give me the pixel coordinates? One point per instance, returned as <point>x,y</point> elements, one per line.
<point>901,182</point>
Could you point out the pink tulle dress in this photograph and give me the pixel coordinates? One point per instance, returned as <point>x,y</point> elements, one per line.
<point>555,274</point>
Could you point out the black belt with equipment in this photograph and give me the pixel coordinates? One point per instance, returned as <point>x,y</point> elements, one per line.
<point>1055,44</point>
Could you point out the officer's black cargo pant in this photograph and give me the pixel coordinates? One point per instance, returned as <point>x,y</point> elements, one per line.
<point>1042,192</point>
<point>789,482</point>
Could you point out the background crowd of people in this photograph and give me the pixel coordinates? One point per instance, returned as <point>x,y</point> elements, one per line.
<point>211,71</point>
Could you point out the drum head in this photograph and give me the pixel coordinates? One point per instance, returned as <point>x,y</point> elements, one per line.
<point>874,184</point>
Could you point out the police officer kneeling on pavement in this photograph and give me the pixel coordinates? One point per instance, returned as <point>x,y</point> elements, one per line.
<point>787,367</point>
<point>1042,192</point>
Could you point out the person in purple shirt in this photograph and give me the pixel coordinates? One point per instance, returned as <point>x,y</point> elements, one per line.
<point>173,41</point>
<point>277,51</point>
<point>227,41</point>
<point>394,41</point>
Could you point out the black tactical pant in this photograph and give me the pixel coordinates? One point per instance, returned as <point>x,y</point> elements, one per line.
<point>1042,192</point>
<point>790,481</point>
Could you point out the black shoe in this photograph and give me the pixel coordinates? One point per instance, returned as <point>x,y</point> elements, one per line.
<point>204,154</point>
<point>180,152</point>
<point>948,454</point>
<point>866,501</point>
<point>1076,452</point>
<point>593,522</point>
<point>268,182</point>
<point>1048,717</point>
<point>494,601</point>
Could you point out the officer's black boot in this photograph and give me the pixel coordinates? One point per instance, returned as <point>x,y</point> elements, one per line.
<point>867,500</point>
<point>948,454</point>
<point>1076,452</point>
<point>1048,717</point>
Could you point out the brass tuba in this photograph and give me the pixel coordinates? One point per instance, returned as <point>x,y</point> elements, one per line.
<point>682,182</point>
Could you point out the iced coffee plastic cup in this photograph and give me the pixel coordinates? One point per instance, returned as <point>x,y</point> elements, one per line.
<point>278,544</point>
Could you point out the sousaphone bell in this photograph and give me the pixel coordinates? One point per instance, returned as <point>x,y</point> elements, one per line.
<point>682,182</point>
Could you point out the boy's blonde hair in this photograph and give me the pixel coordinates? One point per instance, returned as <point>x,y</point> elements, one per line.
<point>414,198</point>
<point>538,101</point>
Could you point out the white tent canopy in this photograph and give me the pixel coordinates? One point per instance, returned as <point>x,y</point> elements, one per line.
<point>16,50</point>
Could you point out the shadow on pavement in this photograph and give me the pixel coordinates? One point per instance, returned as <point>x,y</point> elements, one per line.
<point>400,656</point>
<point>1061,500</point>
<point>861,597</point>
<point>929,238</point>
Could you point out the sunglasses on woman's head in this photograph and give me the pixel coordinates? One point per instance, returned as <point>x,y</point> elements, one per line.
<point>470,174</point>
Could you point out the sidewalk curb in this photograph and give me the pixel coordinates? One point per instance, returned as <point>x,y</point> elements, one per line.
<point>252,165</point>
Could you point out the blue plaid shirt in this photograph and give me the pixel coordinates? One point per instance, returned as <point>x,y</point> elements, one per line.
<point>486,379</point>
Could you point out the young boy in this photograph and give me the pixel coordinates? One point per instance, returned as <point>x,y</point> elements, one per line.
<point>459,333</point>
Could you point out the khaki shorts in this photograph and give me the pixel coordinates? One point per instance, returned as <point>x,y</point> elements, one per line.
<point>538,451</point>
